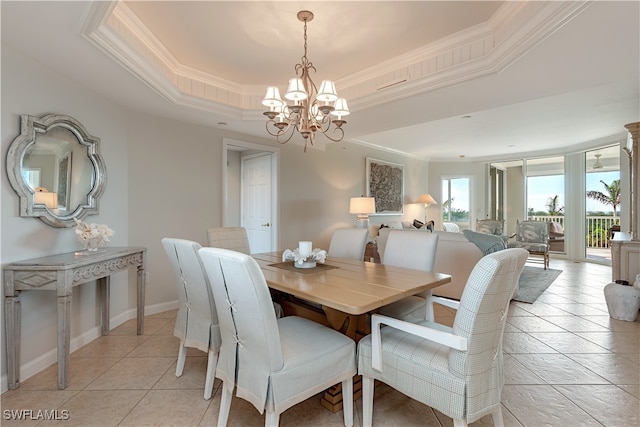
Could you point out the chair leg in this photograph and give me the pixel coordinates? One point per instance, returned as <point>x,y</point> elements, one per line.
<point>182,356</point>
<point>367,401</point>
<point>459,423</point>
<point>211,374</point>
<point>225,404</point>
<point>347,401</point>
<point>497,418</point>
<point>547,259</point>
<point>272,419</point>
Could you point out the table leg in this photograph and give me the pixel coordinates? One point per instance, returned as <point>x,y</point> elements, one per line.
<point>64,339</point>
<point>141,282</point>
<point>105,293</point>
<point>342,322</point>
<point>12,331</point>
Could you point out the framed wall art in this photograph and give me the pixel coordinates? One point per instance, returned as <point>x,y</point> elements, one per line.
<point>385,182</point>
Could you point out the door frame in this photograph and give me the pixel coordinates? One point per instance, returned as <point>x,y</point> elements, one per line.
<point>274,152</point>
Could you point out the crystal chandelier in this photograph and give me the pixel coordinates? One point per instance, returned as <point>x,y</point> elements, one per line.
<point>307,110</point>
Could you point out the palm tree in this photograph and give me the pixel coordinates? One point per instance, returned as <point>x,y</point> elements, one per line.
<point>612,197</point>
<point>552,205</point>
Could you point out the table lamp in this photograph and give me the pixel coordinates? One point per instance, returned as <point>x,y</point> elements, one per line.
<point>362,207</point>
<point>426,200</point>
<point>44,197</point>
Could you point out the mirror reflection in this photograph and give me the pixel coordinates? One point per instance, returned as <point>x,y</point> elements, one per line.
<point>55,168</point>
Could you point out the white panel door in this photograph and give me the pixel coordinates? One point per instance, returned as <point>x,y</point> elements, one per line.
<point>256,201</point>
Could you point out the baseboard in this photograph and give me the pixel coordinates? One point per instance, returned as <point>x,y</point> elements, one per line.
<point>47,359</point>
<point>159,308</point>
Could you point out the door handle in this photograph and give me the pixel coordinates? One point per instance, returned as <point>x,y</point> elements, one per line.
<point>265,225</point>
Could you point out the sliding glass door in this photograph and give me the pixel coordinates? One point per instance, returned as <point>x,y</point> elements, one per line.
<point>578,194</point>
<point>497,195</point>
<point>546,196</point>
<point>602,213</point>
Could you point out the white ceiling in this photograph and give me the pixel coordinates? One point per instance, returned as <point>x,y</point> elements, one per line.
<point>534,77</point>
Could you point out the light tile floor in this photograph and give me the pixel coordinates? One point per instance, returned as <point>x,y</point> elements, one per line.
<point>567,363</point>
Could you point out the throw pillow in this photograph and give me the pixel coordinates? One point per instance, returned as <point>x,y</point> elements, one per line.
<point>418,224</point>
<point>486,228</point>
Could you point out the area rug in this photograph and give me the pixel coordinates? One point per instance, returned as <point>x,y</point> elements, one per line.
<point>533,282</point>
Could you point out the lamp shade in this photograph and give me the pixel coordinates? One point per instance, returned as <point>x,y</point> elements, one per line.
<point>272,97</point>
<point>46,198</point>
<point>426,199</point>
<point>327,92</point>
<point>296,91</point>
<point>362,205</point>
<point>341,108</point>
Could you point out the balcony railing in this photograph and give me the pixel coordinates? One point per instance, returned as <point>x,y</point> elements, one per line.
<point>597,228</point>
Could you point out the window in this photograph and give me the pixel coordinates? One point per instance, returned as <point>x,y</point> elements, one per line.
<point>545,189</point>
<point>456,196</point>
<point>31,177</point>
<point>602,203</point>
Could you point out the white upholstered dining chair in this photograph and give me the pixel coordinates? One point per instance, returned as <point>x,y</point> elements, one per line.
<point>457,370</point>
<point>414,249</point>
<point>197,321</point>
<point>272,363</point>
<point>348,243</point>
<point>234,238</point>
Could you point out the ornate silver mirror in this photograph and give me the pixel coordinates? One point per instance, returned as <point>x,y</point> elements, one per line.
<point>55,167</point>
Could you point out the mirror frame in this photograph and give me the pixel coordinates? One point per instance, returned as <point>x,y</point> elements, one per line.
<point>30,128</point>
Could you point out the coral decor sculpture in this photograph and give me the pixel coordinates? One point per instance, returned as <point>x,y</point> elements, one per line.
<point>93,236</point>
<point>305,261</point>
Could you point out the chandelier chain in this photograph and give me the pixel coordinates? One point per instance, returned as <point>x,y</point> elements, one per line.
<point>305,39</point>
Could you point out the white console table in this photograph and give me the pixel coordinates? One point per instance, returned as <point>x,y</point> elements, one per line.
<point>61,273</point>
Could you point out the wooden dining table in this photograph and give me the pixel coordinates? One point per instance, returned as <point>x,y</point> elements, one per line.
<point>342,293</point>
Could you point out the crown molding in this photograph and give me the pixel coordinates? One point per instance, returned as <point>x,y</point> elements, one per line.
<point>487,48</point>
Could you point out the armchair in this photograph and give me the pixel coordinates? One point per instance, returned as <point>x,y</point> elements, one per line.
<point>534,237</point>
<point>556,237</point>
<point>492,226</point>
<point>458,370</point>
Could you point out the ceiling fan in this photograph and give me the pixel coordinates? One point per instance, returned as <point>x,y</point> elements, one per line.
<point>597,164</point>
